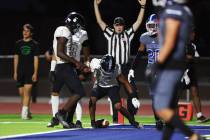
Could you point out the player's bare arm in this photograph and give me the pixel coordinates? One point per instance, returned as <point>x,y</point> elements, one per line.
<point>16,59</point>
<point>172,29</point>
<point>140,16</point>
<point>61,52</point>
<point>101,23</point>
<point>141,48</point>
<point>36,67</point>
<point>86,53</point>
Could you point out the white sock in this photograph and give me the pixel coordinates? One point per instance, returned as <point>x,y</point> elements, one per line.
<point>78,111</point>
<point>199,114</point>
<point>55,104</point>
<point>110,106</point>
<point>52,65</point>
<point>24,113</point>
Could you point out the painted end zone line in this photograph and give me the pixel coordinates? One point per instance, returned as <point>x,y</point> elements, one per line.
<point>23,135</point>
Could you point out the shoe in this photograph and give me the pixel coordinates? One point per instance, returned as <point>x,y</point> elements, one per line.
<point>78,124</point>
<point>93,124</point>
<point>54,122</point>
<point>137,125</point>
<point>29,115</point>
<point>61,118</point>
<point>202,119</point>
<point>71,125</point>
<point>159,125</point>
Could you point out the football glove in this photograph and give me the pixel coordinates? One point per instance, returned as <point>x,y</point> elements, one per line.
<point>185,77</point>
<point>95,64</point>
<point>130,75</point>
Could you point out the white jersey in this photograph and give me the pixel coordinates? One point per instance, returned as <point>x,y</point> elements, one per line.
<point>62,31</point>
<point>74,43</point>
<point>77,40</point>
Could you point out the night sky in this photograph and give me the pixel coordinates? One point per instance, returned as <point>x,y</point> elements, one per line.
<point>46,15</point>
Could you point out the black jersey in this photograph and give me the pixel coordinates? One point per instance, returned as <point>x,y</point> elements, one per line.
<point>26,52</point>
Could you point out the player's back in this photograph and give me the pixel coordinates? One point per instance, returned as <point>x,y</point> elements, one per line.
<point>105,79</point>
<point>184,16</point>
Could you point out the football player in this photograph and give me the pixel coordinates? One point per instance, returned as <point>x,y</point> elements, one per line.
<point>107,74</point>
<point>67,44</point>
<point>175,27</point>
<point>149,43</point>
<point>189,79</point>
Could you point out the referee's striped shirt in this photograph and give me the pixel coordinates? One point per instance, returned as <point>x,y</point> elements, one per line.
<point>119,44</point>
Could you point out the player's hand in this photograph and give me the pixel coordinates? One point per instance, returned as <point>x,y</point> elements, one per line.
<point>142,2</point>
<point>34,77</point>
<point>135,102</point>
<point>186,78</point>
<point>15,76</point>
<point>98,1</point>
<point>130,75</point>
<point>95,64</point>
<point>52,76</point>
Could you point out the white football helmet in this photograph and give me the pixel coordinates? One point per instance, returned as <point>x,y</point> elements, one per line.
<point>152,24</point>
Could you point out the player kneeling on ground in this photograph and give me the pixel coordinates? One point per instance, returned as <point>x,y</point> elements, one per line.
<point>107,75</point>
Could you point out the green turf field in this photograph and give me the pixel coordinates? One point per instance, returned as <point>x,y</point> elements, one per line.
<point>12,124</point>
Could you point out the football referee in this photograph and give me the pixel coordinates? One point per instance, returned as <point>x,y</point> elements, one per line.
<point>119,39</point>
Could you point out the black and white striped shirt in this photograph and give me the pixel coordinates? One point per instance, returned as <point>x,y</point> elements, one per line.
<point>119,44</point>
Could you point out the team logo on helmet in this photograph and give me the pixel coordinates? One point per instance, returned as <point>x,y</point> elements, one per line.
<point>75,22</point>
<point>152,24</point>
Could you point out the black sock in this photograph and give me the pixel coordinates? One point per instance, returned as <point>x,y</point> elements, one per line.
<point>178,123</point>
<point>167,132</point>
<point>70,115</point>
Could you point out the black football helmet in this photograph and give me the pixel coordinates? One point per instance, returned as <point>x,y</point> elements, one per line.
<point>108,63</point>
<point>75,21</point>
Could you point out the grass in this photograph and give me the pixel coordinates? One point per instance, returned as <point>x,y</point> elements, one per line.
<point>12,124</point>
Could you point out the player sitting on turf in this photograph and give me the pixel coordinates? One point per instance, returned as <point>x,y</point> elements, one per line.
<point>107,75</point>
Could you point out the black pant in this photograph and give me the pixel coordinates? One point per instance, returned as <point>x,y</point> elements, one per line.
<point>66,74</point>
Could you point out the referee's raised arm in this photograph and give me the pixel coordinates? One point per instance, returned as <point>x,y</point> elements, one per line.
<point>140,16</point>
<point>101,23</point>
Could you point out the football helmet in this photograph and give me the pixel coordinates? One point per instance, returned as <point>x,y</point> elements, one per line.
<point>163,3</point>
<point>152,24</point>
<point>108,63</point>
<point>75,21</point>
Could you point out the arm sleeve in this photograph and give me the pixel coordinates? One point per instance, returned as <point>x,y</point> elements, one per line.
<point>130,33</point>
<point>174,13</point>
<point>136,60</point>
<point>36,50</point>
<point>108,32</point>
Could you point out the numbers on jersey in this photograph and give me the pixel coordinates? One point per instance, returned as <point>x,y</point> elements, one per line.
<point>73,50</point>
<point>152,55</point>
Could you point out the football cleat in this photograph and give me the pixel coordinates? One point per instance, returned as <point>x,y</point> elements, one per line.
<point>54,122</point>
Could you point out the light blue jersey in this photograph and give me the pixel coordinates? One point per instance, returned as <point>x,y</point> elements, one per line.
<point>152,46</point>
